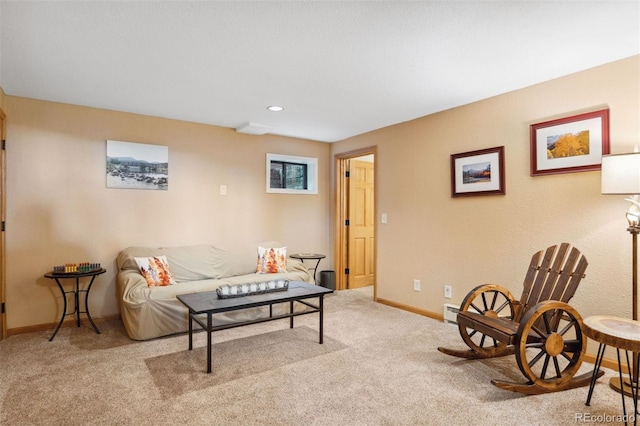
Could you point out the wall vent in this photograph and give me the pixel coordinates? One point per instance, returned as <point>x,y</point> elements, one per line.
<point>451,313</point>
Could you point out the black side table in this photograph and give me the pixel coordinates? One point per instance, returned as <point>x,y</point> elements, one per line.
<point>309,256</point>
<point>76,295</point>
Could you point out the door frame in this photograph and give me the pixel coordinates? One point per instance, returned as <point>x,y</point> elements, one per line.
<point>3,211</point>
<point>341,241</point>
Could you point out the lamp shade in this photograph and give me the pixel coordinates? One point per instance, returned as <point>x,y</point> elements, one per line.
<point>621,174</point>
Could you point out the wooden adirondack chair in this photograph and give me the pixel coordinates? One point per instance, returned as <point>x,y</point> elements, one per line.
<point>544,332</point>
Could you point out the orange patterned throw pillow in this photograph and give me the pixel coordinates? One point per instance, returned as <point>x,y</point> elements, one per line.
<point>155,270</point>
<point>272,260</point>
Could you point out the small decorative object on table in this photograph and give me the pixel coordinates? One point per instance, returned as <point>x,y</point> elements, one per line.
<point>75,268</point>
<point>229,291</point>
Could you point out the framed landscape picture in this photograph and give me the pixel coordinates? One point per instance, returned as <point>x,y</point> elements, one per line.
<point>137,166</point>
<point>570,144</point>
<point>478,173</point>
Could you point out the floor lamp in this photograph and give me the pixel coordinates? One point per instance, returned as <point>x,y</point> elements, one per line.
<point>621,175</point>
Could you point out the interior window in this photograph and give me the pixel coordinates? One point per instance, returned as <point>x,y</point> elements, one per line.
<point>288,175</point>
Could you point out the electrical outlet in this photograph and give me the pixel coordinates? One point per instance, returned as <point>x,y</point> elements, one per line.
<point>447,291</point>
<point>416,285</point>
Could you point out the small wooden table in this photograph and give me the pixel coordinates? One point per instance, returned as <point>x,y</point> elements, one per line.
<point>76,295</point>
<point>621,333</point>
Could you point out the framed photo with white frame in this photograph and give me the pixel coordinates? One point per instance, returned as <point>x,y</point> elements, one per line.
<point>570,144</point>
<point>478,172</point>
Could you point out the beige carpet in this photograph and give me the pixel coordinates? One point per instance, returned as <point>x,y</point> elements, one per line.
<point>378,366</point>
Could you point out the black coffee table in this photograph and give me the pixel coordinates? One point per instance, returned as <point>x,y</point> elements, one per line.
<point>208,303</point>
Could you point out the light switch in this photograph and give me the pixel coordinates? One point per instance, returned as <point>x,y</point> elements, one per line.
<point>223,189</point>
<point>383,218</point>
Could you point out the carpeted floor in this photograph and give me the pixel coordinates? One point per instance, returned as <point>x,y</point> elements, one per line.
<point>378,366</point>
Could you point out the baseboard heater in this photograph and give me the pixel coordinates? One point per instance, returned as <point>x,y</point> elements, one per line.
<point>451,313</point>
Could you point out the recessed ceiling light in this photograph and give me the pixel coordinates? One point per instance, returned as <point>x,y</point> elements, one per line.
<point>275,108</point>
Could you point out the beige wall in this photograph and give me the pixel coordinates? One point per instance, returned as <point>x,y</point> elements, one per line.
<point>464,242</point>
<point>59,209</point>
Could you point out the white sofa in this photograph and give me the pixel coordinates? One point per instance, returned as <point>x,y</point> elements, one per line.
<point>150,312</point>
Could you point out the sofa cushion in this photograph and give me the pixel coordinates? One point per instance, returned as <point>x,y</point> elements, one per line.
<point>272,260</point>
<point>198,262</point>
<point>242,258</point>
<point>188,263</point>
<point>155,270</point>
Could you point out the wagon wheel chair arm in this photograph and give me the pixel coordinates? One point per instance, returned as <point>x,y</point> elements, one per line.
<point>487,300</point>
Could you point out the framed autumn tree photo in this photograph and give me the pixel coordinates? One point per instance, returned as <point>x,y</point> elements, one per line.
<point>570,144</point>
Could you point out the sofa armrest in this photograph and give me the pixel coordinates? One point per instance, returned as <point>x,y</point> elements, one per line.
<point>295,265</point>
<point>131,286</point>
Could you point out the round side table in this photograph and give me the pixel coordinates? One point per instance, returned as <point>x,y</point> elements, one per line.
<point>76,295</point>
<point>621,333</point>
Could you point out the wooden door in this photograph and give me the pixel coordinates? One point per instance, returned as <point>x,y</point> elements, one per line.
<point>3,208</point>
<point>361,225</point>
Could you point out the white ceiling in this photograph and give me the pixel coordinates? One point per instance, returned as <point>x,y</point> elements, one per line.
<point>338,68</point>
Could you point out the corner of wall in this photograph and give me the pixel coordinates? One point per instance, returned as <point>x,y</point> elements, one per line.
<point>2,100</point>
